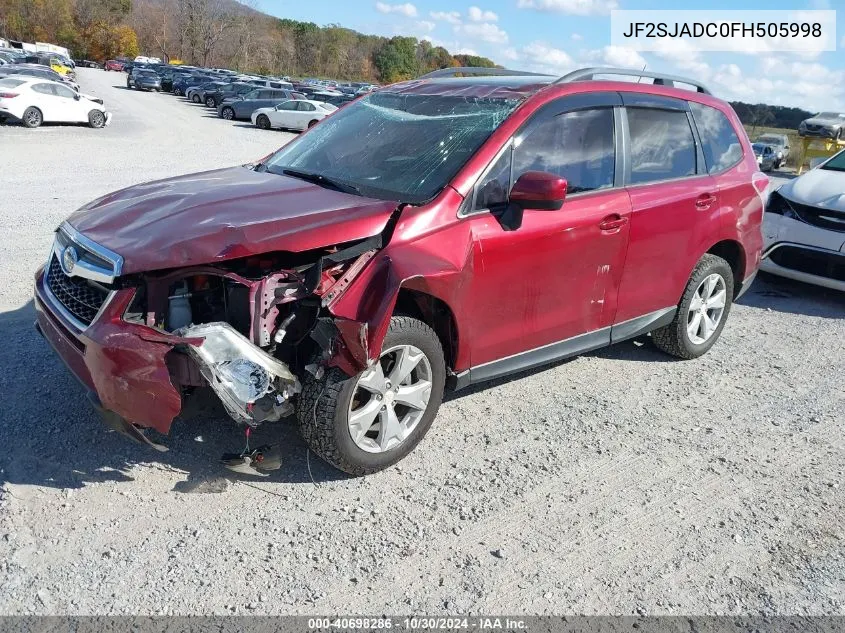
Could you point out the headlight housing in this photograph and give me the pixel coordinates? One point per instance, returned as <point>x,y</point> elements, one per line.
<point>779,205</point>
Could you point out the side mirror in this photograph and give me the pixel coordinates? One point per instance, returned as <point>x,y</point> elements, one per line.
<point>538,190</point>
<point>77,97</point>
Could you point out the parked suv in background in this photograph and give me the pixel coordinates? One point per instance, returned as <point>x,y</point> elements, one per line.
<point>436,233</point>
<point>242,106</point>
<point>825,125</point>
<point>214,96</point>
<point>143,79</point>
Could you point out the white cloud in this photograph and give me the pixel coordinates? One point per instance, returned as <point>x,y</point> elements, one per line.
<point>426,26</point>
<point>622,56</point>
<point>407,9</point>
<point>576,37</point>
<point>483,31</point>
<point>510,53</point>
<point>574,7</point>
<point>541,57</point>
<point>479,15</point>
<point>465,51</point>
<point>452,17</point>
<point>776,80</point>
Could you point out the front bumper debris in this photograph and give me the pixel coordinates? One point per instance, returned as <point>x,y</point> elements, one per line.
<point>253,386</point>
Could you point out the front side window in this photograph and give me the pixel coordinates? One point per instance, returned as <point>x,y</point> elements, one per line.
<point>662,145</point>
<point>578,146</point>
<point>396,146</point>
<point>719,141</point>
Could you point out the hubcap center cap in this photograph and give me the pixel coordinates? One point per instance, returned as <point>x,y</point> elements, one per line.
<point>388,397</point>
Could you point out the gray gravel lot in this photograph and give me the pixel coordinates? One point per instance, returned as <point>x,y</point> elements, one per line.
<point>619,482</point>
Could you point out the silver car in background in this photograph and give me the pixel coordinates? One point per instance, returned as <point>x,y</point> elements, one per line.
<point>804,227</point>
<point>780,143</point>
<point>824,125</point>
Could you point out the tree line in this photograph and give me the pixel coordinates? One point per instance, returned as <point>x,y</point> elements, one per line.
<point>762,115</point>
<point>224,33</point>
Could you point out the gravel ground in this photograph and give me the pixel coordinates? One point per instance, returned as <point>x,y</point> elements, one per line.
<point>619,482</point>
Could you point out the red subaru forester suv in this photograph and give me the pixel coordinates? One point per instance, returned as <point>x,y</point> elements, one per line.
<point>435,233</point>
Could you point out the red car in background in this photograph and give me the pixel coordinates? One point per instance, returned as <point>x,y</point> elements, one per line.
<point>113,64</point>
<point>432,234</point>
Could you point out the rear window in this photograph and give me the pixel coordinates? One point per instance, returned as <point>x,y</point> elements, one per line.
<point>11,83</point>
<point>719,141</point>
<point>662,145</point>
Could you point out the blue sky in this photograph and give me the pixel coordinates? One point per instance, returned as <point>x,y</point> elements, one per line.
<point>557,36</point>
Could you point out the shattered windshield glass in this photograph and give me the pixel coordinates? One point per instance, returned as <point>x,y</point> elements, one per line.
<point>395,146</point>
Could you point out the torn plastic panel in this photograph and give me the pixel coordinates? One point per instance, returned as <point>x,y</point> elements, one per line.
<point>253,386</point>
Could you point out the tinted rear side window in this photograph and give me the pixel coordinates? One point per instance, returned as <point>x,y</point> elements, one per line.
<point>719,141</point>
<point>662,145</point>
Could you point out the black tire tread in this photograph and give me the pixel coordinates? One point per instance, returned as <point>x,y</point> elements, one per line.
<point>669,338</point>
<point>318,402</point>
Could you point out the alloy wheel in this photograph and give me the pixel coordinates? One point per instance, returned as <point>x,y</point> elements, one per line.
<point>389,399</point>
<point>228,114</point>
<point>33,117</point>
<point>706,309</point>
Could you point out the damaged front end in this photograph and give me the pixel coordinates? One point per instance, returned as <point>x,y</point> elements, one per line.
<point>249,329</point>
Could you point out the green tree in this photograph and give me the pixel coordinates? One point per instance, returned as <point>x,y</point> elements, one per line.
<point>397,59</point>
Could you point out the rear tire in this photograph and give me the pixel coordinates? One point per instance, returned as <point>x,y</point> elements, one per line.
<point>691,333</point>
<point>312,123</point>
<point>325,404</point>
<point>195,98</point>
<point>96,119</point>
<point>32,117</point>
<point>263,122</point>
<point>210,102</point>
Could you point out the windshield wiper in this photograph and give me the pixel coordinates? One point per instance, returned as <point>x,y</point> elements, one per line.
<point>323,181</point>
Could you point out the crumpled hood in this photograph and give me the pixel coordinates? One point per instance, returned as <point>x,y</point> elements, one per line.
<point>224,214</point>
<point>824,188</point>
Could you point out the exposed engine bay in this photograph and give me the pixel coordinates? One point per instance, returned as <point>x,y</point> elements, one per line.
<point>249,328</point>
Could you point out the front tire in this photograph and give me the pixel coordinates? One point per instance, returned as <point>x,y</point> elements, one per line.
<point>228,114</point>
<point>210,102</point>
<point>32,117</point>
<point>368,422</point>
<point>702,312</point>
<point>263,122</point>
<point>96,119</point>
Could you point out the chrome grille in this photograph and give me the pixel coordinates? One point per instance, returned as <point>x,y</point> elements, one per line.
<point>79,296</point>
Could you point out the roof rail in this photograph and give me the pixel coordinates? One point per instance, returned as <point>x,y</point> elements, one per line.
<point>660,79</point>
<point>478,70</point>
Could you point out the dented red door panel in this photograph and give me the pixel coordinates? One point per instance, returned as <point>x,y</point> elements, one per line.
<point>672,224</point>
<point>553,278</point>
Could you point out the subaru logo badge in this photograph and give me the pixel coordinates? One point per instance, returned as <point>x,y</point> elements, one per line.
<point>69,259</point>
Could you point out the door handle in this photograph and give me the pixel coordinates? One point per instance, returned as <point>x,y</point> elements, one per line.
<point>704,201</point>
<point>613,223</point>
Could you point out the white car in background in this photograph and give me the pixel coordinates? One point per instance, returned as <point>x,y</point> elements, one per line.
<point>804,227</point>
<point>34,101</point>
<point>296,114</point>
